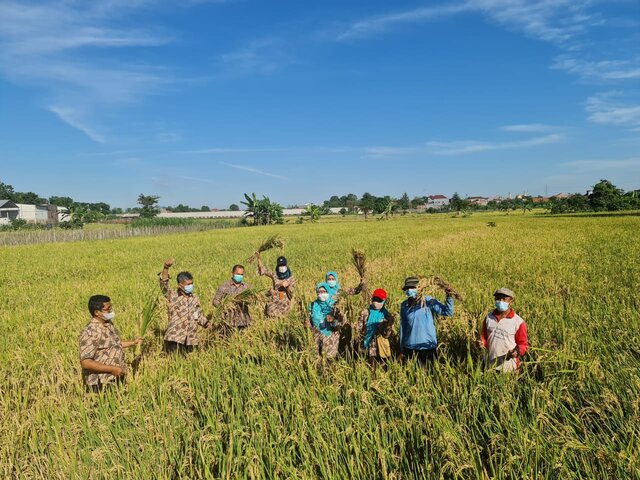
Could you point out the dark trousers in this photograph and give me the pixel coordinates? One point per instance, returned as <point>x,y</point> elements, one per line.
<point>422,356</point>
<point>175,347</point>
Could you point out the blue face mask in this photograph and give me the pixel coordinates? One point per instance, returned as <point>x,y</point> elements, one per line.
<point>411,292</point>
<point>188,288</point>
<point>238,278</point>
<point>332,283</point>
<point>502,306</point>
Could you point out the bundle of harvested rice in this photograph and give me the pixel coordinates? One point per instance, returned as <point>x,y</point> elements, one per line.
<point>428,286</point>
<point>274,241</point>
<point>359,260</point>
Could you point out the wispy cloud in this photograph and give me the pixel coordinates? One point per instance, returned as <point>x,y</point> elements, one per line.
<point>595,165</point>
<point>464,147</point>
<point>558,22</point>
<point>73,119</point>
<point>605,109</point>
<point>381,23</point>
<point>257,171</point>
<point>285,149</point>
<point>54,45</point>
<point>530,128</point>
<point>261,57</point>
<point>601,70</point>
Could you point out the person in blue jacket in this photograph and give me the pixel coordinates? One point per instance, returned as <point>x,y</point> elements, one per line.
<point>417,328</point>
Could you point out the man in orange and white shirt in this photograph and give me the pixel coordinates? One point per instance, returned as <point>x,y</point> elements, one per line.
<point>504,334</point>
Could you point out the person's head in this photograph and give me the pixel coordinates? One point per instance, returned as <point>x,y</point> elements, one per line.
<point>332,279</point>
<point>322,291</point>
<point>378,298</point>
<point>410,287</point>
<point>503,299</point>
<point>281,265</point>
<point>237,273</point>
<point>185,282</point>
<point>100,307</point>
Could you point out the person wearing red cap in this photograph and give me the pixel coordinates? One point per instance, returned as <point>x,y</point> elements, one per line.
<point>375,321</point>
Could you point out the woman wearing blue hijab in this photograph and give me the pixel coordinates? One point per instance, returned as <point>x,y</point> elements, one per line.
<point>331,279</point>
<point>325,321</point>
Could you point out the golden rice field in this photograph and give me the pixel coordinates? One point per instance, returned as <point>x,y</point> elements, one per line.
<point>256,406</point>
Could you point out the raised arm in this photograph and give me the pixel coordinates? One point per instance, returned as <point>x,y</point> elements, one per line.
<point>442,309</point>
<point>164,276</point>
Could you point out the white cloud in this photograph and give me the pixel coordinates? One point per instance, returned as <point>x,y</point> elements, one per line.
<point>254,170</point>
<point>262,57</point>
<point>53,45</point>
<point>74,119</point>
<point>530,128</point>
<point>373,25</point>
<point>604,109</point>
<point>557,21</point>
<point>464,147</point>
<point>601,70</point>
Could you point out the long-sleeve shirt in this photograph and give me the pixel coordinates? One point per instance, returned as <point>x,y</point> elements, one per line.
<point>100,341</point>
<point>185,314</point>
<point>500,335</point>
<point>417,327</point>
<point>239,317</point>
<point>382,328</point>
<point>279,295</point>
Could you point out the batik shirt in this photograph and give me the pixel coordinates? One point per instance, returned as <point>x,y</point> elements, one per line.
<point>239,317</point>
<point>100,341</point>
<point>279,296</point>
<point>185,314</point>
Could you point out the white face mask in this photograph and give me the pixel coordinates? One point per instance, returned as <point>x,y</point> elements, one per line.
<point>283,269</point>
<point>109,316</point>
<point>323,297</point>
<point>377,305</point>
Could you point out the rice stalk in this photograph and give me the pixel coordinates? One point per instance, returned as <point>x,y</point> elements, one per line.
<point>274,241</point>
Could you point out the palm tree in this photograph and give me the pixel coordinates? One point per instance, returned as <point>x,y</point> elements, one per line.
<point>251,206</point>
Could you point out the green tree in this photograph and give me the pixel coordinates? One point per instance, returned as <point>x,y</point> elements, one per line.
<point>367,204</point>
<point>234,208</point>
<point>314,212</point>
<point>404,203</point>
<point>149,205</point>
<point>7,192</point>
<point>61,201</point>
<point>29,198</point>
<point>606,196</point>
<point>205,208</point>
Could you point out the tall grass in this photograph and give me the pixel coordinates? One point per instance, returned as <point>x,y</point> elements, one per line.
<point>255,406</point>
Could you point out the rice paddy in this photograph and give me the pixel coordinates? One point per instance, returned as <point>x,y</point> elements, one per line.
<point>256,406</point>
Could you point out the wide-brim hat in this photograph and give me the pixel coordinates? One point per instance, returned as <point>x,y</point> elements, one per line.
<point>504,292</point>
<point>410,282</point>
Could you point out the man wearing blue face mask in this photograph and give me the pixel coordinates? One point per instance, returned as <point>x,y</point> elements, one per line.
<point>184,312</point>
<point>417,328</point>
<point>239,318</point>
<point>504,334</point>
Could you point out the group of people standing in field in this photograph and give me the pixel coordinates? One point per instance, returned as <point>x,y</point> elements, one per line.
<point>503,336</point>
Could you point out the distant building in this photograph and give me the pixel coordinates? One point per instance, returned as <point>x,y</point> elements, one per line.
<point>437,201</point>
<point>8,211</point>
<point>480,201</point>
<point>561,195</point>
<point>34,213</point>
<point>540,199</point>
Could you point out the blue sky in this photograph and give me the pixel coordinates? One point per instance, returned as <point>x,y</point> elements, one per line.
<point>200,101</point>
